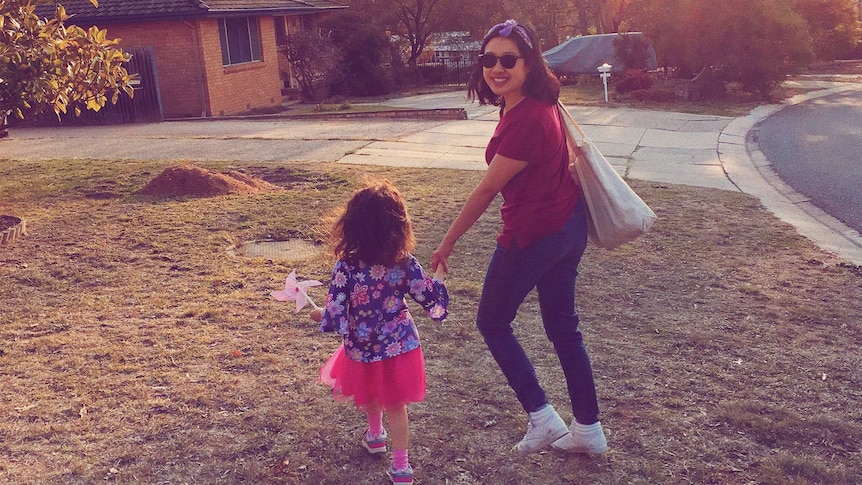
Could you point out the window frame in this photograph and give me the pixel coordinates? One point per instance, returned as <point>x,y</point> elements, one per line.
<point>239,45</point>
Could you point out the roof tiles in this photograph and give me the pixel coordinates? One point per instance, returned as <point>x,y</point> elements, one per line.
<point>124,10</point>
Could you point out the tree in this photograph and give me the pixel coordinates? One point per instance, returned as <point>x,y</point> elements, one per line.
<point>312,57</point>
<point>606,15</point>
<point>364,49</point>
<point>754,42</point>
<point>632,51</point>
<point>833,24</point>
<point>770,41</point>
<point>45,64</point>
<point>417,20</point>
<point>551,19</point>
<point>412,20</point>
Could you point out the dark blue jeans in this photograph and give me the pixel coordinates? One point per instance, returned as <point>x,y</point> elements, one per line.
<point>551,266</point>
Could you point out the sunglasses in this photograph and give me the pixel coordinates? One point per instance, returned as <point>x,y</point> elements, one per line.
<point>490,60</point>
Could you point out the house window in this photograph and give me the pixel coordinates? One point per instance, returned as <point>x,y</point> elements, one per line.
<point>240,40</point>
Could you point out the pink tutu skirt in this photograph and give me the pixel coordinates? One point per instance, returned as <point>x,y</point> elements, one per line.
<point>376,386</point>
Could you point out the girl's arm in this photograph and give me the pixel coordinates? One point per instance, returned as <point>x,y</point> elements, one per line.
<point>428,292</point>
<point>333,316</point>
<point>500,171</point>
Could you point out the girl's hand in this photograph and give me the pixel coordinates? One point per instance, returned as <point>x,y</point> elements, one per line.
<point>440,273</point>
<point>316,315</point>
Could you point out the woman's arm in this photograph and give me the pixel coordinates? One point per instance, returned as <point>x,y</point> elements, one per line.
<point>500,171</point>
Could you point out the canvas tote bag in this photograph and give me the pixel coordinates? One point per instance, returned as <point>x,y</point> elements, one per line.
<point>617,214</point>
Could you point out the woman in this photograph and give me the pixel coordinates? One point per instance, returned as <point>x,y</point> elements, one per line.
<point>543,236</point>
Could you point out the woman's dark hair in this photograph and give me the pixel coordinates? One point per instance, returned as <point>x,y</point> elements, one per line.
<point>374,227</point>
<point>541,83</point>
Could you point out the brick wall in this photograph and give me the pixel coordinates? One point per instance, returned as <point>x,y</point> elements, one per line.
<point>242,87</point>
<point>177,65</point>
<point>192,80</point>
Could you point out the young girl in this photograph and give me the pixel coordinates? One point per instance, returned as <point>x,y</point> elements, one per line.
<point>380,367</point>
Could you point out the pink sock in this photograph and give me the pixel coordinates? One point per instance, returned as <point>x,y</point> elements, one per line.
<point>375,423</point>
<point>399,459</point>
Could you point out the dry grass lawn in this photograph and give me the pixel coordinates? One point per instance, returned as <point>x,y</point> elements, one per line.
<point>133,349</point>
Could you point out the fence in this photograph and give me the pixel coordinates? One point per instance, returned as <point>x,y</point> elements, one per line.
<point>145,107</point>
<point>446,73</point>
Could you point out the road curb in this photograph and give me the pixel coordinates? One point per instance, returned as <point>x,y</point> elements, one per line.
<point>740,154</point>
<point>431,114</point>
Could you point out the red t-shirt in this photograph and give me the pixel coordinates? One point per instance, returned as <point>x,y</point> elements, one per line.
<point>539,199</point>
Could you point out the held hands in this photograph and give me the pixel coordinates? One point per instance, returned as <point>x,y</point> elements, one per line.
<point>440,260</point>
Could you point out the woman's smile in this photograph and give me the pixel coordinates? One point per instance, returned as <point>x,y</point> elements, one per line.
<point>507,83</point>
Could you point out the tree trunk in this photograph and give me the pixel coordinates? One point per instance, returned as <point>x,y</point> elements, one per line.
<point>4,131</point>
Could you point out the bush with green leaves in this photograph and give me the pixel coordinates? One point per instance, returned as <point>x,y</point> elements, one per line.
<point>47,65</point>
<point>364,49</point>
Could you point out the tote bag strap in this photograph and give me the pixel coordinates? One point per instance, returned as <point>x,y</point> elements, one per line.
<point>567,119</point>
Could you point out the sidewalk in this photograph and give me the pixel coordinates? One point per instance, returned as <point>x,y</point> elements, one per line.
<point>656,146</point>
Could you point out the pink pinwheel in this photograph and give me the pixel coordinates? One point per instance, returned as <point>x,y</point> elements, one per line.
<point>296,291</point>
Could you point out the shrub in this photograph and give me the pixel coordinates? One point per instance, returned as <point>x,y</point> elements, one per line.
<point>568,80</point>
<point>654,95</point>
<point>433,73</point>
<point>632,80</point>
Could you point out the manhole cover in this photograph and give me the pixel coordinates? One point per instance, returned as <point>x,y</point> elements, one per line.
<point>292,249</point>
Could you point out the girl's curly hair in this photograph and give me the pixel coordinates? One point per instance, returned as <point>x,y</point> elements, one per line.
<point>374,227</point>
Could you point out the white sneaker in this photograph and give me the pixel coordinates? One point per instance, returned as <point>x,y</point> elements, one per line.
<point>545,427</point>
<point>583,439</point>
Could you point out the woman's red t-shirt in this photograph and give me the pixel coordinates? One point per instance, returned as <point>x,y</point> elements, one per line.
<point>539,199</point>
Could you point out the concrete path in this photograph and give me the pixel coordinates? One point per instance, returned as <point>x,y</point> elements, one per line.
<point>658,146</point>
<point>641,144</point>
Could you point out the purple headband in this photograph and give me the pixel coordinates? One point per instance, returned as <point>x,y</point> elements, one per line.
<point>506,28</point>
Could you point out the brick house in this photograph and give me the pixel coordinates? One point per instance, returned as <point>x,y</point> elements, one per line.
<point>212,57</point>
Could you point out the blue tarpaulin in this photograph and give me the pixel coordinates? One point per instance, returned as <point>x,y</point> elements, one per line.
<point>583,54</point>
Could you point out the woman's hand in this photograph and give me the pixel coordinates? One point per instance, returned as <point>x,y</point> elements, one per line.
<point>440,258</point>
<point>579,159</point>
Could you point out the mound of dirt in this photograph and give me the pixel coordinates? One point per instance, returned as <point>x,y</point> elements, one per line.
<point>193,181</point>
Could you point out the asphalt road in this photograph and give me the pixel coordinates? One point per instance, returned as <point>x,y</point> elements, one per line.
<point>816,148</point>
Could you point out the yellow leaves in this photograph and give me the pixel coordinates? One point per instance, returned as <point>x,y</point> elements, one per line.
<point>58,67</point>
<point>92,104</point>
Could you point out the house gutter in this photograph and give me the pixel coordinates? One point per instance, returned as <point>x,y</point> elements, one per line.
<point>199,69</point>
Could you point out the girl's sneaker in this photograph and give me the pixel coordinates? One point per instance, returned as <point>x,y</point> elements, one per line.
<point>401,477</point>
<point>374,444</point>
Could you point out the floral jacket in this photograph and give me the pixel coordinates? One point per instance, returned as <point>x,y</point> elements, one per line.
<point>366,305</point>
